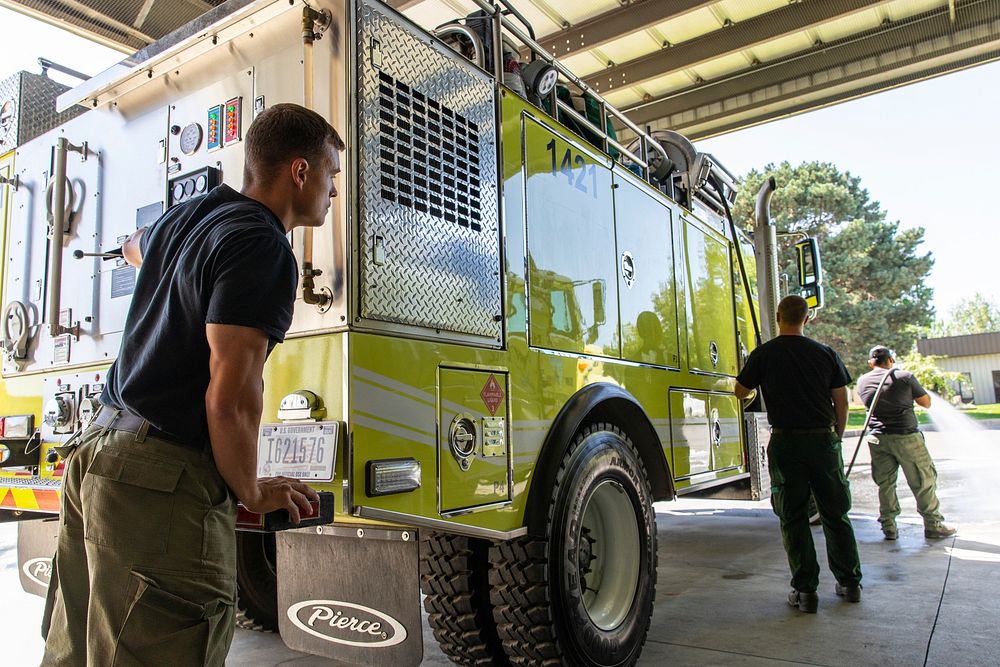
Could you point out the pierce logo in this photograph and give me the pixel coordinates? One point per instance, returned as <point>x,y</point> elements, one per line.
<point>347,623</point>
<point>39,570</point>
<point>492,395</point>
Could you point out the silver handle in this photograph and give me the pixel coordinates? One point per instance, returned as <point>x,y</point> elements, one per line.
<point>59,215</point>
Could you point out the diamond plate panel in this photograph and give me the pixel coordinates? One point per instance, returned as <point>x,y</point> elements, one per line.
<point>429,236</point>
<point>28,108</point>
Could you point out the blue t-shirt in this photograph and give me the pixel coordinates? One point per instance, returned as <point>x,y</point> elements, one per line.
<point>219,259</point>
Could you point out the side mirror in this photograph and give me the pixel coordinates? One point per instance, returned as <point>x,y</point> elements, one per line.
<point>810,268</point>
<point>814,296</point>
<point>599,315</point>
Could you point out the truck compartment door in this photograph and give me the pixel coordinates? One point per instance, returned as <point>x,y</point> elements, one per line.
<point>474,454</point>
<point>689,433</point>
<point>724,421</point>
<point>711,327</point>
<point>646,288</point>
<point>572,270</point>
<point>428,222</point>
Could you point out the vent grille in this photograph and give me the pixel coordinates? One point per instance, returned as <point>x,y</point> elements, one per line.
<point>429,155</point>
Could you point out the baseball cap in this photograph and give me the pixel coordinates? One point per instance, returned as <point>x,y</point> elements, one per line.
<point>881,353</point>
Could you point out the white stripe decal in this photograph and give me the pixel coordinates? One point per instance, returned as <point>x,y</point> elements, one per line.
<point>391,406</point>
<point>392,429</point>
<point>531,424</point>
<point>365,375</point>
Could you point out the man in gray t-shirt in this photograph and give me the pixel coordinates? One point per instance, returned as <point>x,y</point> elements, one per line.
<point>895,442</point>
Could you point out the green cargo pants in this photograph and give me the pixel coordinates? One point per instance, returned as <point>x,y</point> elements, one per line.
<point>145,567</point>
<point>909,453</point>
<point>800,462</point>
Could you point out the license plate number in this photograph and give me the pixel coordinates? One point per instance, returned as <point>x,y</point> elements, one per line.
<point>302,451</point>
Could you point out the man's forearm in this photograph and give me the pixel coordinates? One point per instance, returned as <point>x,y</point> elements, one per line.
<point>233,431</point>
<point>841,414</point>
<point>839,398</point>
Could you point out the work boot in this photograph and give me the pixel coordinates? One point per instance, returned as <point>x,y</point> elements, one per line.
<point>938,531</point>
<point>851,593</point>
<point>889,531</point>
<point>803,601</point>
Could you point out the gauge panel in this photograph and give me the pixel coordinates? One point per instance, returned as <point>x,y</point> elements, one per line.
<point>192,184</point>
<point>190,139</point>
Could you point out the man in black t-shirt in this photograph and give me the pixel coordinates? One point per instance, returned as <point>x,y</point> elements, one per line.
<point>146,560</point>
<point>895,442</point>
<point>805,390</point>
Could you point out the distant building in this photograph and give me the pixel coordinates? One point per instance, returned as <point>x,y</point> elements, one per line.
<point>976,356</point>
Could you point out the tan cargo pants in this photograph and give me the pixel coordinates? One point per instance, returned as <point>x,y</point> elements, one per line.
<point>145,567</point>
<point>908,452</point>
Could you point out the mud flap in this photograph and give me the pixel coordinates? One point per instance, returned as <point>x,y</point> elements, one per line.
<point>351,594</point>
<point>36,544</point>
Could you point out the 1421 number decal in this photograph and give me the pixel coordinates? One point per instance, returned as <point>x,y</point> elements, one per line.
<point>574,167</point>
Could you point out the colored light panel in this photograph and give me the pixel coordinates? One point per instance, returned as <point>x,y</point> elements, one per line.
<point>233,129</point>
<point>214,129</point>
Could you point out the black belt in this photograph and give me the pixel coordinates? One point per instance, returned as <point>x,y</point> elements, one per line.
<point>801,431</point>
<point>123,420</point>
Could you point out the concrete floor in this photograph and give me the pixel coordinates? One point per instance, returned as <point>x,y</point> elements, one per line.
<point>723,580</point>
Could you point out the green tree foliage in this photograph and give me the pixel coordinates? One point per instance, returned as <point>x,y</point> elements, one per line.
<point>873,272</point>
<point>976,314</point>
<point>930,376</point>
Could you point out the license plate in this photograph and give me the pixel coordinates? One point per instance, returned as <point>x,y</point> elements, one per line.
<point>302,451</point>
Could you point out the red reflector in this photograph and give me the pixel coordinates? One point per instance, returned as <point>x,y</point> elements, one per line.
<point>2,420</point>
<point>247,519</point>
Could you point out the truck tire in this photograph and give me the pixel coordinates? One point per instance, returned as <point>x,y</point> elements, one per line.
<point>583,593</point>
<point>454,577</point>
<point>256,581</point>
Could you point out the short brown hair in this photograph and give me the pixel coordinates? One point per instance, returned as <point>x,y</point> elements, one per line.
<point>284,132</point>
<point>793,309</point>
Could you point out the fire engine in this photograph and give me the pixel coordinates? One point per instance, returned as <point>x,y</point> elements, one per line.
<point>518,329</point>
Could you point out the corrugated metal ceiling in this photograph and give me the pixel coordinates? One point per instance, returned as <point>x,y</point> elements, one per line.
<point>701,66</point>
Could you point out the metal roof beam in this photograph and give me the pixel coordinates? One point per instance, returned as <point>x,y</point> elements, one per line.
<point>705,127</point>
<point>725,41</point>
<point>616,23</point>
<point>920,47</point>
<point>402,5</point>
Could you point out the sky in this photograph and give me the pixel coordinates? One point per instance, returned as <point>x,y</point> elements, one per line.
<point>927,151</point>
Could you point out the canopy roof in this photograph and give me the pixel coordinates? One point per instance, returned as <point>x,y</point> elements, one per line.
<point>702,67</point>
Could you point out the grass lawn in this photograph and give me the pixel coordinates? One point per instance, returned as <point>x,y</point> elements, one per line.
<point>856,416</point>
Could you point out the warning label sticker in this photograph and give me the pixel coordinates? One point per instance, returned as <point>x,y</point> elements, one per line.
<point>492,395</point>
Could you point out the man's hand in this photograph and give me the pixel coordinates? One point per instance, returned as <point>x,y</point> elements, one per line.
<point>839,398</point>
<point>131,250</point>
<point>274,493</point>
<point>741,391</point>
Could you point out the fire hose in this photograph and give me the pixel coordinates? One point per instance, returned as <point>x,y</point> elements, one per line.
<point>868,419</point>
<point>814,518</point>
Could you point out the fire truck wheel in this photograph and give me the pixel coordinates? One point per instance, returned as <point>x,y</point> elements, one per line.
<point>454,577</point>
<point>583,594</point>
<point>256,581</point>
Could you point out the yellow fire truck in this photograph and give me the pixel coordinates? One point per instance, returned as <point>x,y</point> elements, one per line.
<point>516,332</point>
